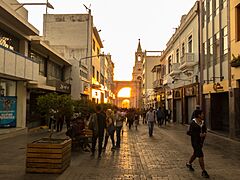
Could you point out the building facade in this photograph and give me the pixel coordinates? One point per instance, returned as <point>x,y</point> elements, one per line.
<point>182,68</point>
<point>234,78</point>
<point>16,67</point>
<point>215,51</point>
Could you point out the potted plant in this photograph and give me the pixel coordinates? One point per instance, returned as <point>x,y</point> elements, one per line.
<point>51,155</point>
<point>235,61</point>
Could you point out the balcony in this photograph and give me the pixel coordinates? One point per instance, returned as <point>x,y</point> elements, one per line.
<point>59,85</point>
<point>17,66</point>
<point>157,84</point>
<point>175,70</point>
<point>187,63</point>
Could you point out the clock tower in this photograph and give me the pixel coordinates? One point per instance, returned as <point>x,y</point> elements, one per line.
<point>138,69</point>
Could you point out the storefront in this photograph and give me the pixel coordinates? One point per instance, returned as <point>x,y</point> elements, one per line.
<point>190,95</point>
<point>177,106</point>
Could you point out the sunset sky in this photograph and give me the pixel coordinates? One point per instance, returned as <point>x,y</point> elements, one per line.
<point>122,23</point>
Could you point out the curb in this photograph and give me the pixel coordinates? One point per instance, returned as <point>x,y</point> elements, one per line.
<point>12,132</point>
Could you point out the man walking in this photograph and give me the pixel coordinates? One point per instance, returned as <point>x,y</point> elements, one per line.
<point>97,124</point>
<point>197,131</point>
<point>151,119</point>
<point>120,117</point>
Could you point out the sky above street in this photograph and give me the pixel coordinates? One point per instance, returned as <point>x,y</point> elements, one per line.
<point>122,23</point>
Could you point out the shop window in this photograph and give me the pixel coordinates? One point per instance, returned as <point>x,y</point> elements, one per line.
<point>7,88</point>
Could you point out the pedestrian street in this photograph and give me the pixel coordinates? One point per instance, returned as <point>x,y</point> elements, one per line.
<point>162,156</point>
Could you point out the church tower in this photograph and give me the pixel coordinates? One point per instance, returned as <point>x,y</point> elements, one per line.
<point>138,69</point>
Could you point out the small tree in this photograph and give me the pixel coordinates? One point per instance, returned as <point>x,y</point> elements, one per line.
<point>53,104</point>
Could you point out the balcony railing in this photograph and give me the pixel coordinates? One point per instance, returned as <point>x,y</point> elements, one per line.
<point>158,84</point>
<point>17,65</point>
<point>187,62</point>
<point>175,70</point>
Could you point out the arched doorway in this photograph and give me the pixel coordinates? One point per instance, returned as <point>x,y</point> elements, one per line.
<point>130,90</point>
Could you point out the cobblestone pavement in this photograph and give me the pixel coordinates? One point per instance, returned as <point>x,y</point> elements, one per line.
<point>162,156</point>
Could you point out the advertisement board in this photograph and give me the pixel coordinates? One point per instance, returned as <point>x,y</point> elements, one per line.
<point>8,111</point>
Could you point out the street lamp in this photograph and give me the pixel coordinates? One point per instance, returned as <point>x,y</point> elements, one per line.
<point>47,4</point>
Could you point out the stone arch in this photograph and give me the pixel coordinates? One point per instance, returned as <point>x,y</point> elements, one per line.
<point>135,96</point>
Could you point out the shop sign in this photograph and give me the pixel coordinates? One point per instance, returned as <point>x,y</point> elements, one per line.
<point>63,87</point>
<point>8,108</point>
<point>190,91</point>
<point>218,87</point>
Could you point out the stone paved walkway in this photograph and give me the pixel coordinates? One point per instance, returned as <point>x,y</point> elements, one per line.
<point>162,156</point>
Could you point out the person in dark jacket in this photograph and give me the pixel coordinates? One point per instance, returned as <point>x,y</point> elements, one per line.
<point>193,114</point>
<point>197,131</point>
<point>97,124</point>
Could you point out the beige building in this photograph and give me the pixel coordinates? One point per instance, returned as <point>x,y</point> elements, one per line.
<point>234,79</point>
<point>176,77</point>
<point>215,64</point>
<point>75,37</point>
<point>16,67</point>
<point>29,68</point>
<point>53,76</point>
<point>151,58</point>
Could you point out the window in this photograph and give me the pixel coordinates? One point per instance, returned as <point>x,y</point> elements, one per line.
<point>238,22</point>
<point>204,5</point>
<point>217,7</point>
<point>97,76</point>
<point>102,79</point>
<point>223,4</point>
<point>205,54</point>
<point>93,71</point>
<point>177,55</point>
<point>9,41</point>
<point>41,61</point>
<point>225,40</point>
<point>183,49</point>
<point>210,43</point>
<point>94,45</point>
<point>139,58</point>
<point>210,10</point>
<point>98,51</point>
<point>169,64</point>
<point>54,70</point>
<point>217,47</point>
<point>190,44</point>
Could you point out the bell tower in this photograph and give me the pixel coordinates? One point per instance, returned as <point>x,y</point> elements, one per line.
<point>138,69</point>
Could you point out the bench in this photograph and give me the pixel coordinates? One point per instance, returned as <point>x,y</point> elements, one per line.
<point>83,139</point>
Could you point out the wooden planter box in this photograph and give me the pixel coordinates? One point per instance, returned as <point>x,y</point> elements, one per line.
<point>48,155</point>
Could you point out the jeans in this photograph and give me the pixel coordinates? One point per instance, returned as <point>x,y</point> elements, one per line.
<point>106,139</point>
<point>150,126</point>
<point>118,132</point>
<point>94,142</point>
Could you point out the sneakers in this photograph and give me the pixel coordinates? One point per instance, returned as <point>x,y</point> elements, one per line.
<point>189,166</point>
<point>205,174</point>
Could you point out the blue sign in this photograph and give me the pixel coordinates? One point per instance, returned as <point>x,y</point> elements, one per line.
<point>8,111</point>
